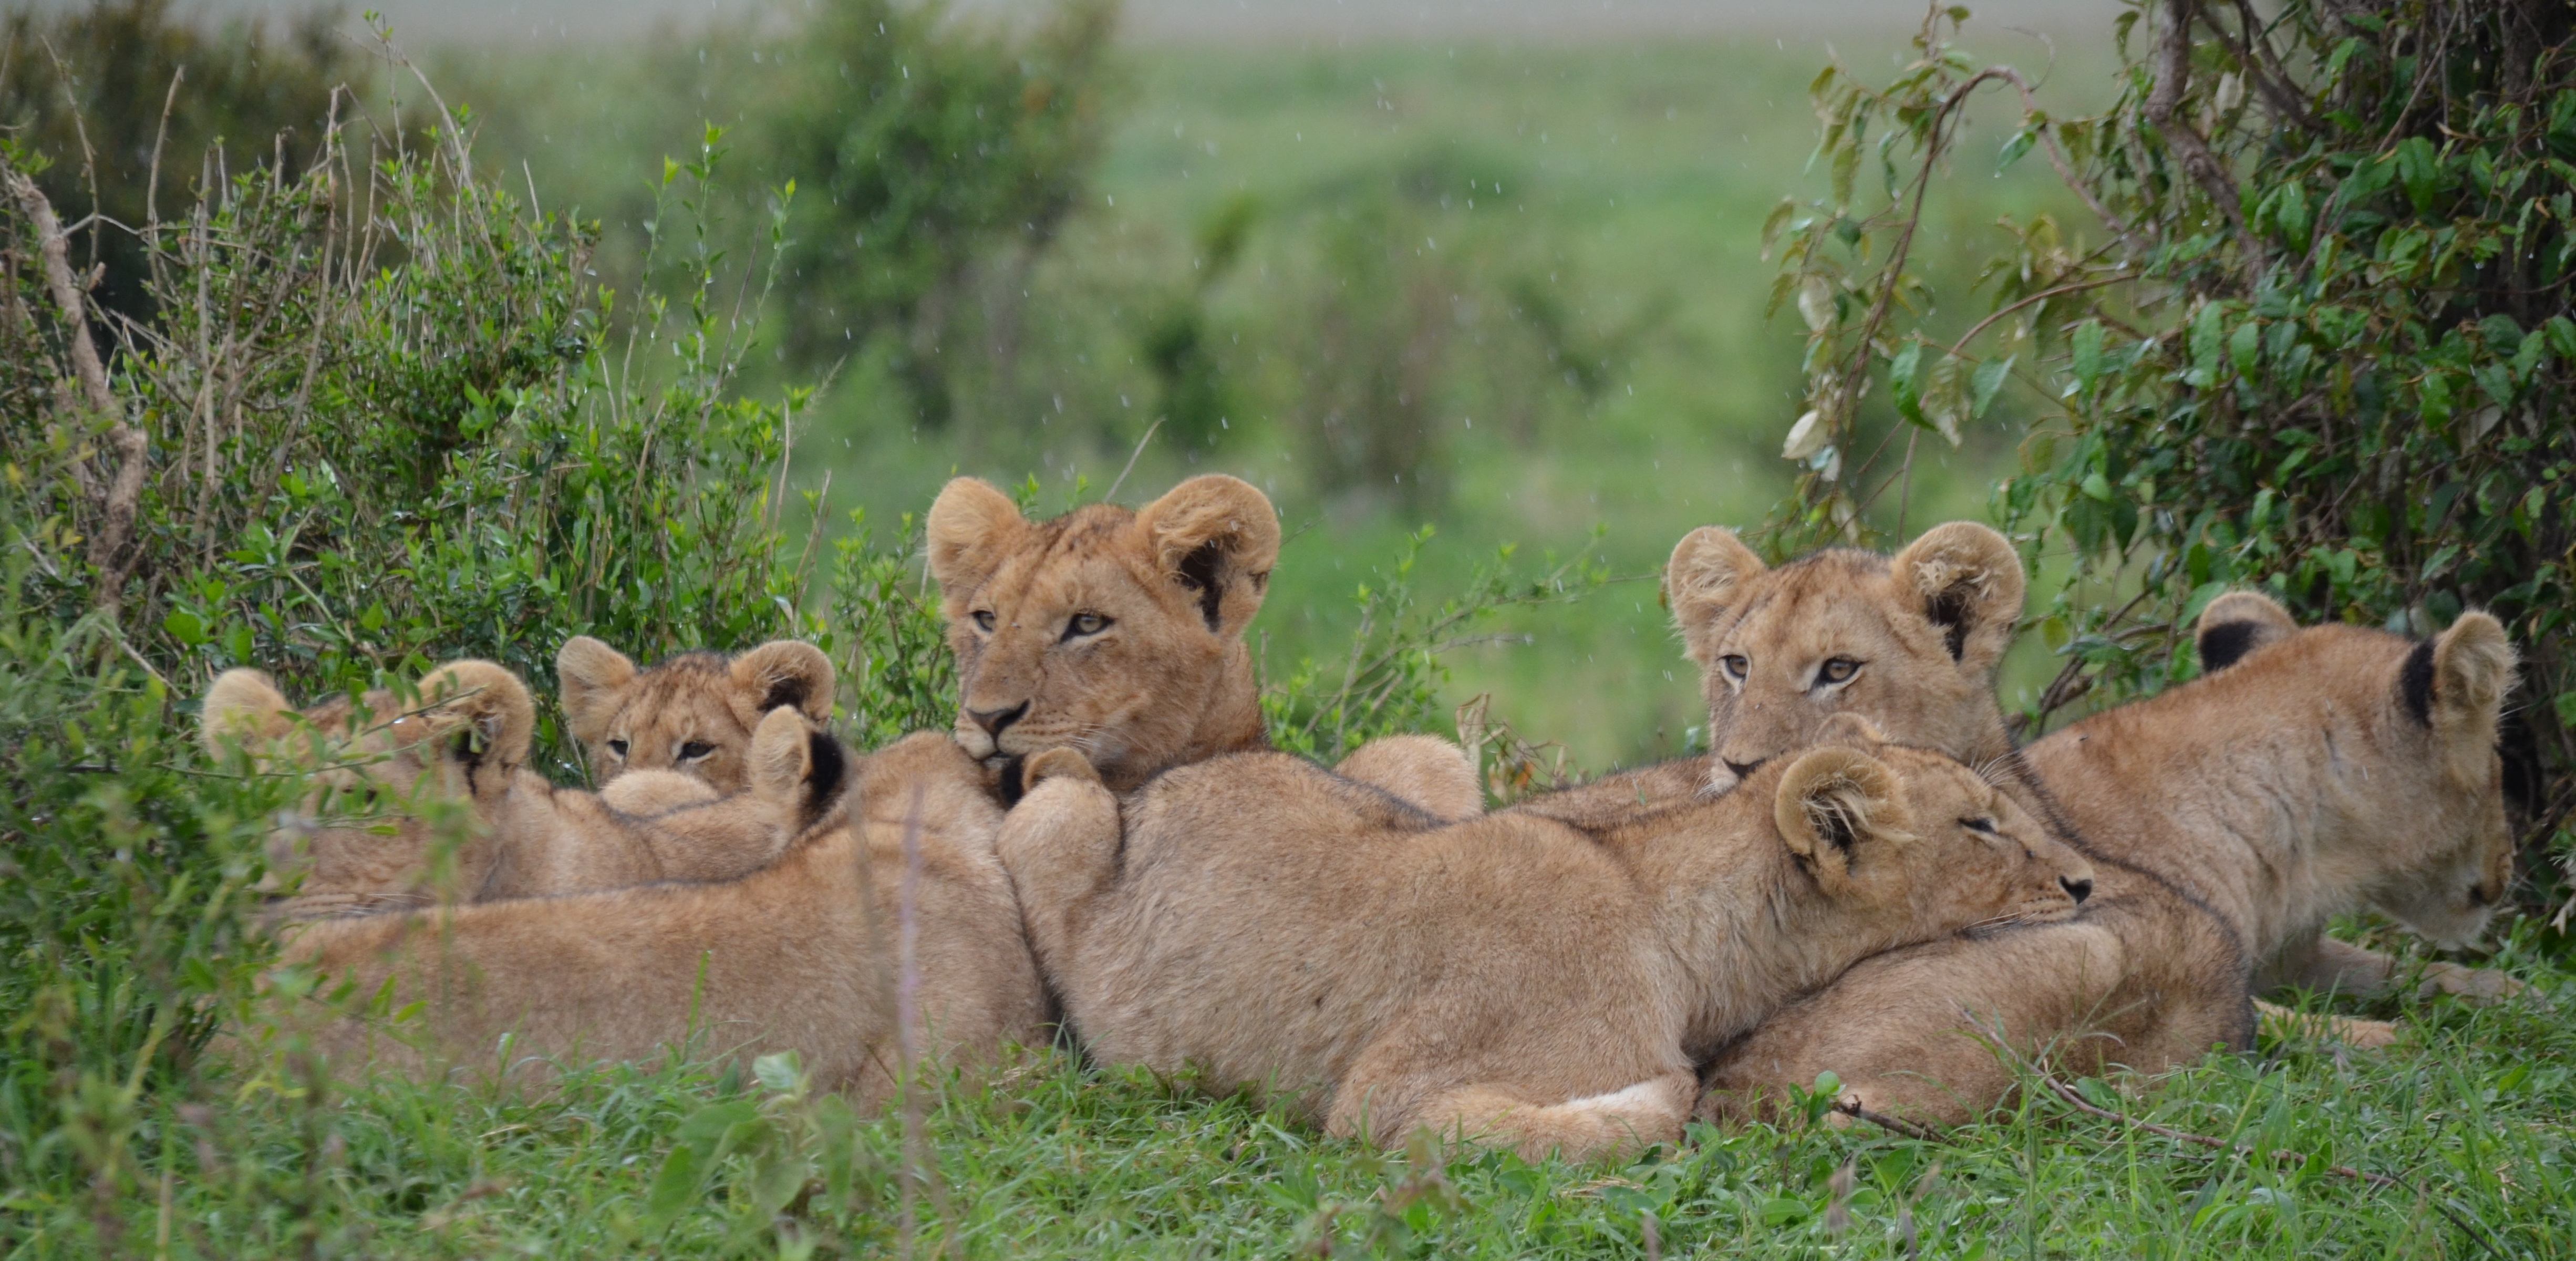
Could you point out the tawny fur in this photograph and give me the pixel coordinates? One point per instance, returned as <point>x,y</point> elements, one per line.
<point>1511,979</point>
<point>1167,677</point>
<point>1896,618</point>
<point>1171,680</point>
<point>369,837</point>
<point>2294,785</point>
<point>693,713</point>
<point>508,989</point>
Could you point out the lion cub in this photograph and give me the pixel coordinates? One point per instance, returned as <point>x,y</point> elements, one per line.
<point>368,837</point>
<point>1511,978</point>
<point>791,957</point>
<point>2308,773</point>
<point>692,714</point>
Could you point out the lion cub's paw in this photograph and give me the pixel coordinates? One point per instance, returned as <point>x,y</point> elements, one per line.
<point>2361,1035</point>
<point>1048,764</point>
<point>2475,985</point>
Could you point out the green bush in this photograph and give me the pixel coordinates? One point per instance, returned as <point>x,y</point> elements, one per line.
<point>2315,336</point>
<point>113,93</point>
<point>943,159</point>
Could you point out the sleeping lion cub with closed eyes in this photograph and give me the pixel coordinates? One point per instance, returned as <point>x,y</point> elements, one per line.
<point>1510,978</point>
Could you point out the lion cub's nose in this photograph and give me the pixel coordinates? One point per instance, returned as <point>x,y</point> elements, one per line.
<point>993,720</point>
<point>2078,889</point>
<point>1743,770</point>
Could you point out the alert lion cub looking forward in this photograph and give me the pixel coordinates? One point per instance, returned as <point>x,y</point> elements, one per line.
<point>1510,977</point>
<point>693,713</point>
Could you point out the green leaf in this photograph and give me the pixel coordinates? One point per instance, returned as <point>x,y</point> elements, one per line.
<point>2244,347</point>
<point>675,1188</point>
<point>1988,379</point>
<point>2086,350</point>
<point>1904,383</point>
<point>2097,486</point>
<point>2291,213</point>
<point>2014,148</point>
<point>2208,337</point>
<point>186,627</point>
<point>2420,170</point>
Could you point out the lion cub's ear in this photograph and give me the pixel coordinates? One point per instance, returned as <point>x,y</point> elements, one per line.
<point>972,526</point>
<point>594,678</point>
<point>795,766</point>
<point>1971,583</point>
<point>2237,623</point>
<point>243,707</point>
<point>1218,536</point>
<point>2457,684</point>
<point>1704,578</point>
<point>481,709</point>
<point>786,672</point>
<point>1834,803</point>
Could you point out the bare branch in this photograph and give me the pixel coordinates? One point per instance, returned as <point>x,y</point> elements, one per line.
<point>118,499</point>
<point>2173,77</point>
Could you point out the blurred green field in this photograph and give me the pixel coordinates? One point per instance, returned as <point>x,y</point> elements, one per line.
<point>1636,175</point>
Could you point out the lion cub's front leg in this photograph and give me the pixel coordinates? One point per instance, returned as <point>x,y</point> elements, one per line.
<point>1060,846</point>
<point>2340,966</point>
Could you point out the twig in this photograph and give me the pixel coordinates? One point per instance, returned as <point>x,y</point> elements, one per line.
<point>2041,296</point>
<point>80,129</point>
<point>1131,460</point>
<point>1895,1125</point>
<point>2173,76</point>
<point>120,497</point>
<point>152,182</point>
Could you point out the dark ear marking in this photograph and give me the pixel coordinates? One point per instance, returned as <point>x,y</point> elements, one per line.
<point>827,767</point>
<point>786,691</point>
<point>1835,826</point>
<point>1949,611</point>
<point>1199,572</point>
<point>2415,683</point>
<point>2227,643</point>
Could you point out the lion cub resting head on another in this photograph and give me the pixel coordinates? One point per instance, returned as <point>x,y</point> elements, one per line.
<point>693,713</point>
<point>372,834</point>
<point>1512,978</point>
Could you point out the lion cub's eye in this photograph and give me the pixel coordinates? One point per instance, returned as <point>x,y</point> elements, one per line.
<point>1734,665</point>
<point>984,620</point>
<point>617,748</point>
<point>1983,827</point>
<point>1837,670</point>
<point>695,749</point>
<point>1085,624</point>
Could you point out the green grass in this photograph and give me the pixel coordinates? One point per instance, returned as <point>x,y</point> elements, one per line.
<point>1063,1159</point>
